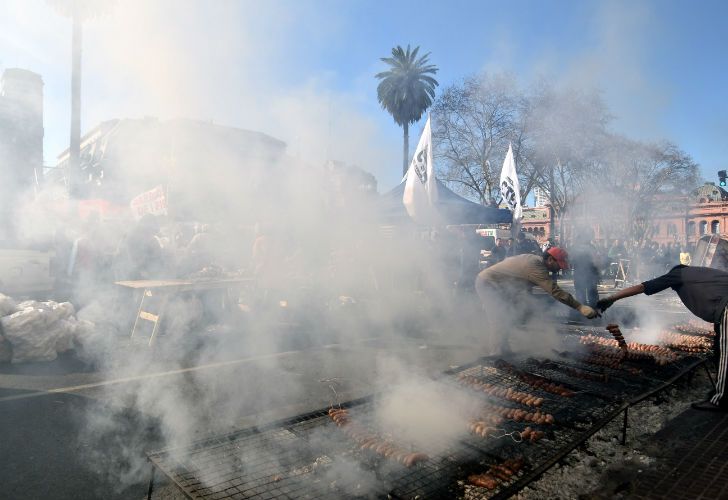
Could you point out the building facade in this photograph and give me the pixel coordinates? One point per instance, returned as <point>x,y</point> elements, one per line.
<point>680,221</point>
<point>21,142</point>
<point>541,197</point>
<point>536,221</point>
<point>21,126</point>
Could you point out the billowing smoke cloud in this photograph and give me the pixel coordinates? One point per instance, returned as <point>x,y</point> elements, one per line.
<point>247,204</point>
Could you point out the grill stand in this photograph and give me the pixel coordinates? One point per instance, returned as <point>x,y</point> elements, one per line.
<point>510,490</point>
<point>565,450</point>
<point>558,456</point>
<point>710,376</point>
<point>642,397</point>
<point>151,482</point>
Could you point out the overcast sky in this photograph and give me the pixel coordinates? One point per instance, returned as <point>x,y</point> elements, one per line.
<point>302,71</point>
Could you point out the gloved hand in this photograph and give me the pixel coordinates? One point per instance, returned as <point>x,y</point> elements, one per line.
<point>604,304</point>
<point>588,311</point>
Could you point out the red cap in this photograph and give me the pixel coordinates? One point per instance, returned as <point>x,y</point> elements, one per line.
<point>560,255</point>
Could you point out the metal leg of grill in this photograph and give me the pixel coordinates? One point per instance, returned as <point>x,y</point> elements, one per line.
<point>624,426</point>
<point>151,484</point>
<point>710,377</point>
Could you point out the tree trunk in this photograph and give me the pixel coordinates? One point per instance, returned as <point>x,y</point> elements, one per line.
<point>405,148</point>
<point>74,167</point>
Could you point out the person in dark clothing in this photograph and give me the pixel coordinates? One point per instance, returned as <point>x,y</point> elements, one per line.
<point>510,247</point>
<point>525,245</point>
<point>704,291</point>
<point>584,258</point>
<point>499,251</point>
<point>140,254</point>
<point>471,243</point>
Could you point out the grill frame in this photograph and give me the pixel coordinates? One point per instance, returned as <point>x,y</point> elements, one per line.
<point>473,453</point>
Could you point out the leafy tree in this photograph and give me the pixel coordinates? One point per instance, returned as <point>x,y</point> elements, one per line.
<point>639,179</point>
<point>406,89</point>
<point>566,132</point>
<point>562,144</point>
<point>474,123</point>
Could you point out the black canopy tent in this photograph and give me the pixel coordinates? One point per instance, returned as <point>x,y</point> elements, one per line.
<point>454,208</point>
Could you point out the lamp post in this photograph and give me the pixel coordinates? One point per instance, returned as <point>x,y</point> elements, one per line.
<point>74,152</point>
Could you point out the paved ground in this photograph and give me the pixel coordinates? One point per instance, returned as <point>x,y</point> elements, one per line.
<point>46,451</point>
<point>692,459</point>
<point>78,443</point>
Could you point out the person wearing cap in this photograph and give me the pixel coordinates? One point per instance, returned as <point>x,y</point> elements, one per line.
<point>509,282</point>
<point>704,291</point>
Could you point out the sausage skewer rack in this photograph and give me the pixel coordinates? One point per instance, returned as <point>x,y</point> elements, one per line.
<point>303,456</point>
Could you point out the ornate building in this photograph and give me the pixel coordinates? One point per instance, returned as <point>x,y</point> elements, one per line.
<point>536,221</point>
<point>680,220</point>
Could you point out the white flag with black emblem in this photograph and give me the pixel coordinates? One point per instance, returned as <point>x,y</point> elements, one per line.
<point>510,190</point>
<point>420,188</point>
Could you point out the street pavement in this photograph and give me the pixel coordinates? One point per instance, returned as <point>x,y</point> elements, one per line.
<point>50,453</point>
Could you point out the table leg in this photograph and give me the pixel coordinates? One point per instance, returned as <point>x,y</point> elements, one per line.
<point>139,311</point>
<point>160,313</point>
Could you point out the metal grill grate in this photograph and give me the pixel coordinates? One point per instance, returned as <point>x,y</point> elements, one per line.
<point>269,465</point>
<point>309,457</point>
<point>581,407</point>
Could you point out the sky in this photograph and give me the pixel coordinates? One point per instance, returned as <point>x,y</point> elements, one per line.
<point>303,71</point>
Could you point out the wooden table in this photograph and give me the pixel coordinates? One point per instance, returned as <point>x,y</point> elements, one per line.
<point>165,288</point>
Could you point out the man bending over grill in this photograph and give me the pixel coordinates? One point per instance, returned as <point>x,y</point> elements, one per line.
<point>504,287</point>
<point>704,291</point>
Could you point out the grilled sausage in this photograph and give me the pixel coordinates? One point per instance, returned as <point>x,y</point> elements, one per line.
<point>414,458</point>
<point>483,481</point>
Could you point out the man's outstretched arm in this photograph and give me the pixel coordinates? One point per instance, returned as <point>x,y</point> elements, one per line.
<point>604,303</point>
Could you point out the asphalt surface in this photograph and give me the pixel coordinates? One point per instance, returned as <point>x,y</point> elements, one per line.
<point>692,459</point>
<point>87,441</point>
<point>48,455</point>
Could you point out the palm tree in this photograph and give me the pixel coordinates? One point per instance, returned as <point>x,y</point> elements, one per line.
<point>406,90</point>
<point>79,11</point>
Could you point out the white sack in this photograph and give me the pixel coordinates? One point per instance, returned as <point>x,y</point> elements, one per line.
<point>27,331</point>
<point>7,305</point>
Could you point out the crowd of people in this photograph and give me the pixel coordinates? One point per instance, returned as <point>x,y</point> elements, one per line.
<point>497,272</point>
<point>647,258</point>
<point>152,248</point>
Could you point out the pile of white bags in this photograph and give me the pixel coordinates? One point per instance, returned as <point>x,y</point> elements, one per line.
<point>38,331</point>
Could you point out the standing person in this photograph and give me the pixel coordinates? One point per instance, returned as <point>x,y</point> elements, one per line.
<point>519,246</point>
<point>704,291</point>
<point>499,251</point>
<point>510,247</point>
<point>508,283</point>
<point>685,258</point>
<point>616,252</point>
<point>670,256</point>
<point>471,243</point>
<point>584,258</point>
<point>140,254</point>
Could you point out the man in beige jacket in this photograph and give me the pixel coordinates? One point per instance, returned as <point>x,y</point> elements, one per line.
<point>505,286</point>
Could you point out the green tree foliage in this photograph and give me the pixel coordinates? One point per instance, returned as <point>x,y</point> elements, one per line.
<point>406,89</point>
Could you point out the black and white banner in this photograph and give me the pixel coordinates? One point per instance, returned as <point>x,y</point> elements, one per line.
<point>510,190</point>
<point>420,189</point>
